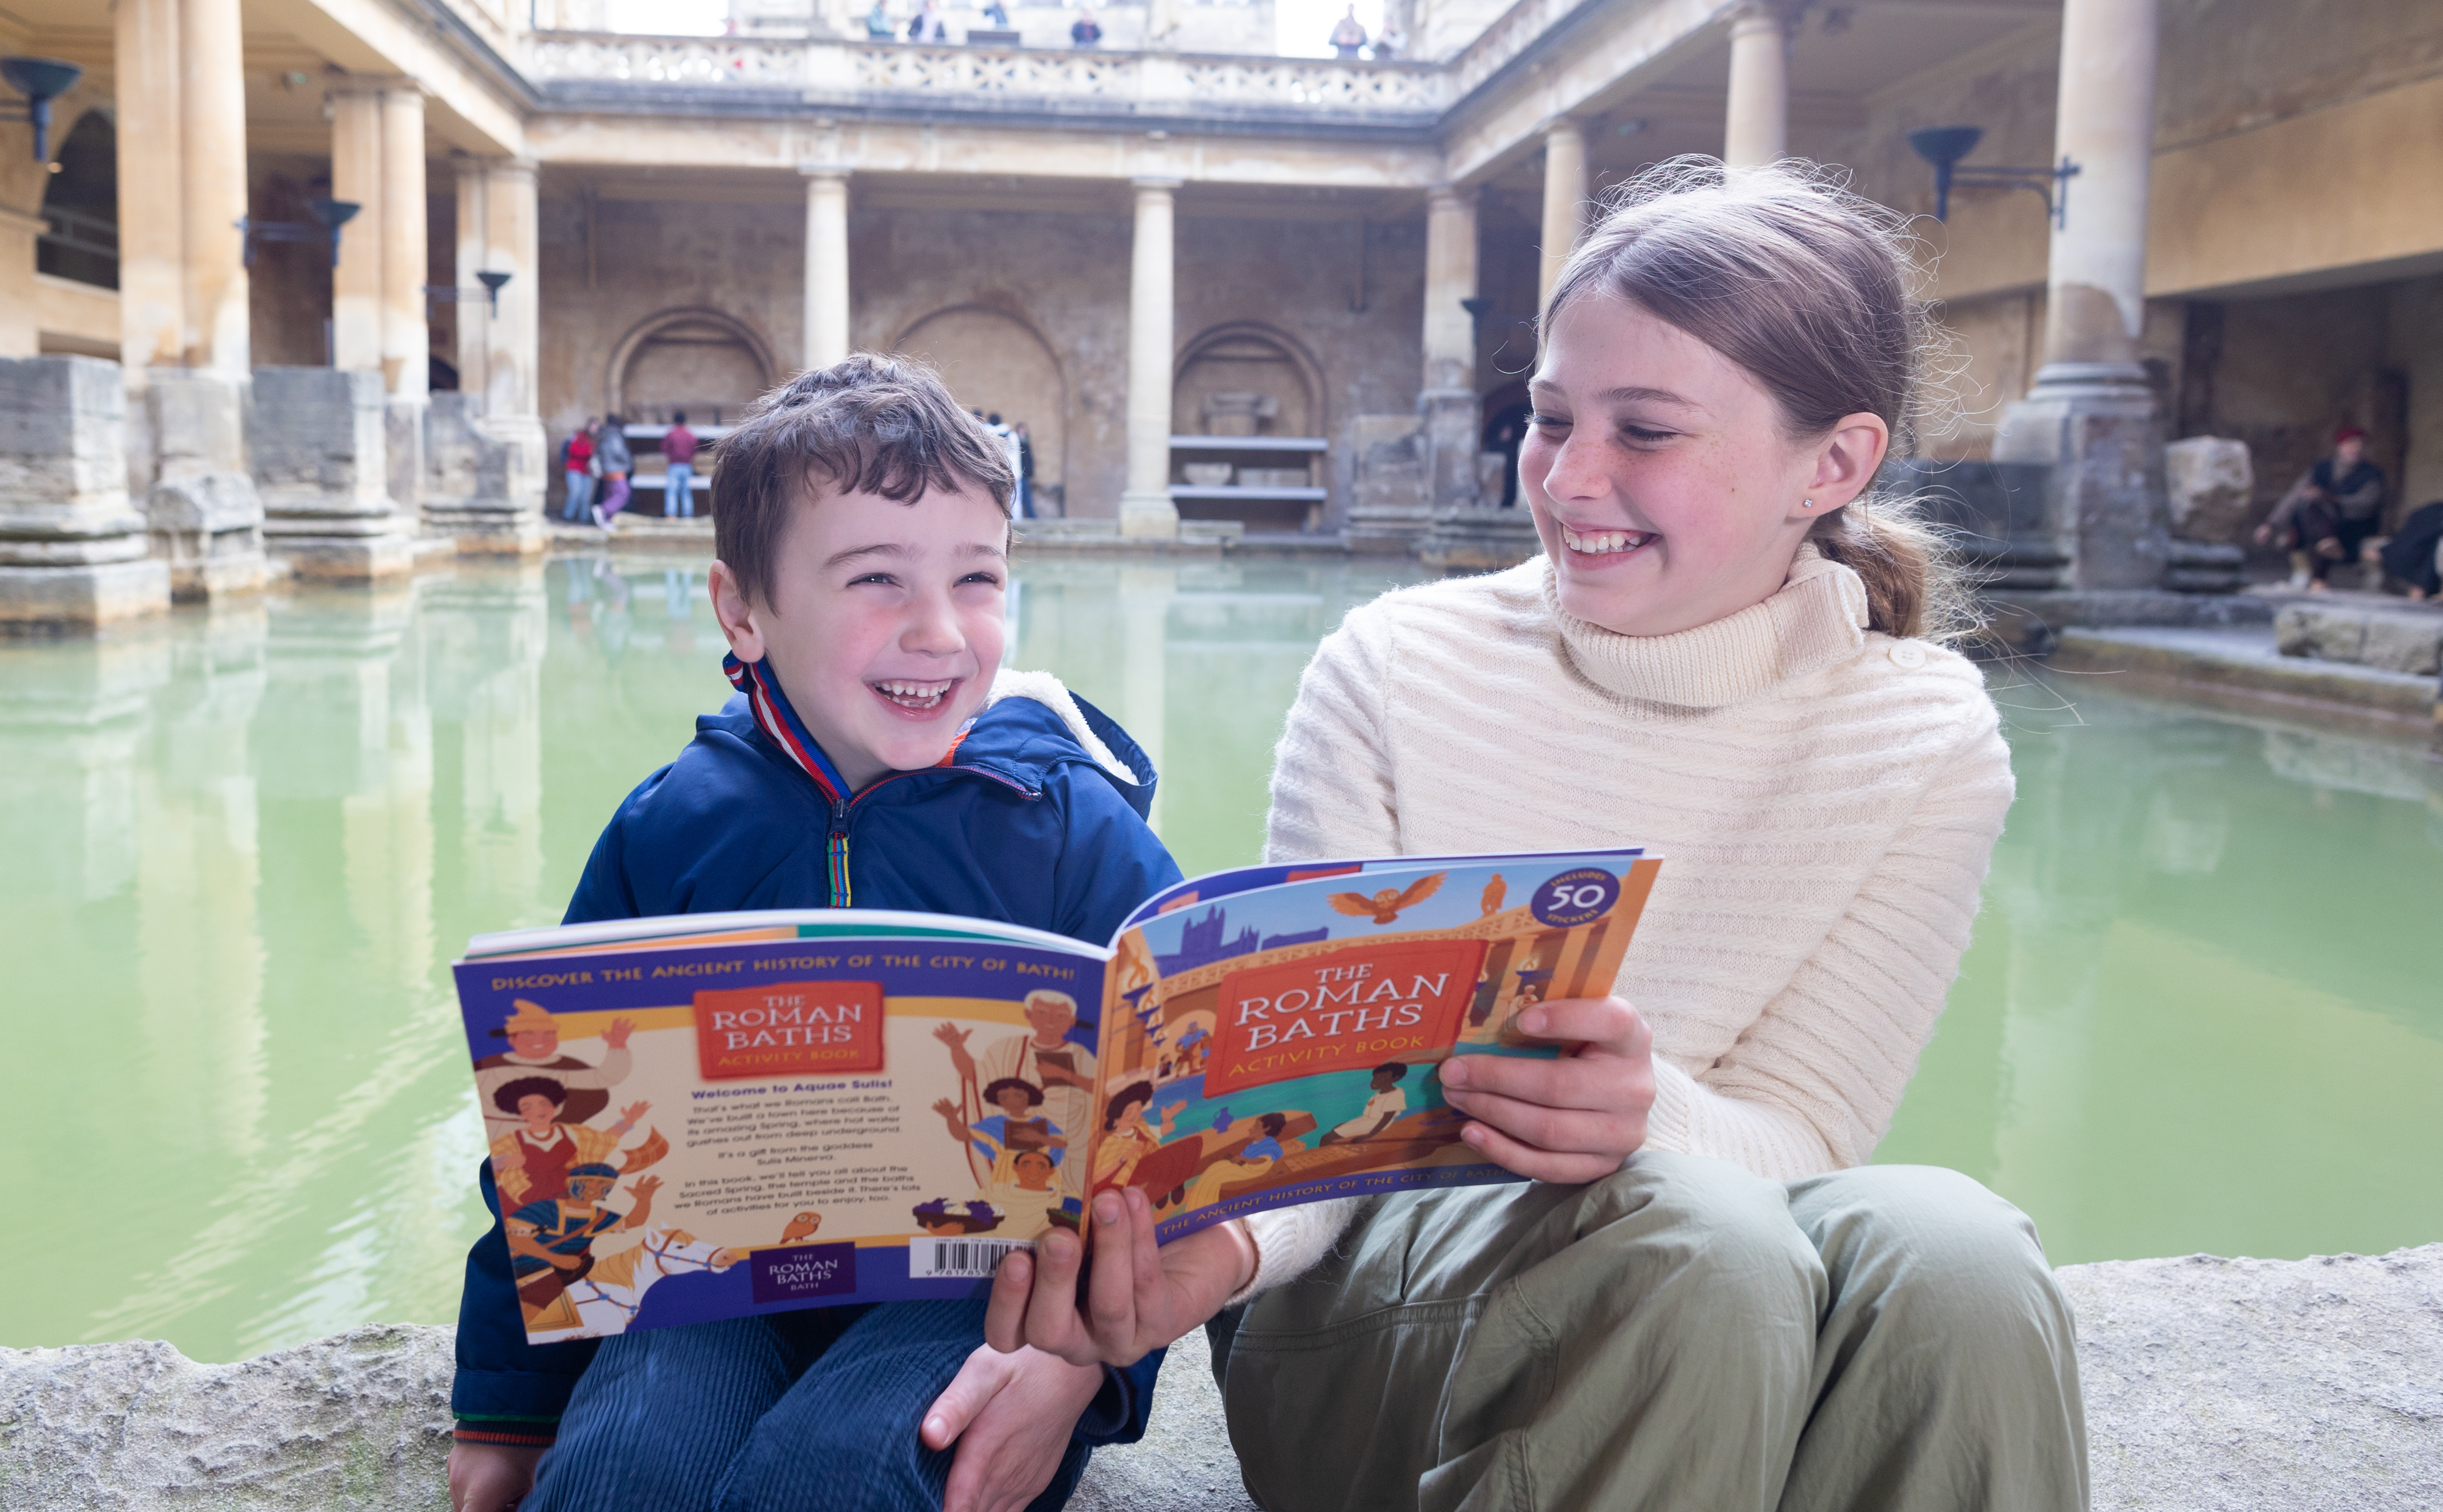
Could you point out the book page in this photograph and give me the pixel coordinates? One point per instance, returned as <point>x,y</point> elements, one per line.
<point>1282,1045</point>
<point>697,1131</point>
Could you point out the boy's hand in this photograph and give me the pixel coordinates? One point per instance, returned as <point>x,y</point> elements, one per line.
<point>1011,1416</point>
<point>1138,1299</point>
<point>491,1477</point>
<point>1572,1119</point>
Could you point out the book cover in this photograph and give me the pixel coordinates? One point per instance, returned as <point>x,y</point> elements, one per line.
<point>701,1117</point>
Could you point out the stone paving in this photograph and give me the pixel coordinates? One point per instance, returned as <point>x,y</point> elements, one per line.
<point>2212,1386</point>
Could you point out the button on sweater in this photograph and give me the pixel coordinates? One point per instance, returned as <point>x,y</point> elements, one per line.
<point>1825,799</point>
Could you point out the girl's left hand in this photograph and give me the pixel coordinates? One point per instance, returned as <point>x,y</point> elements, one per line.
<point>1572,1119</point>
<point>1011,1416</point>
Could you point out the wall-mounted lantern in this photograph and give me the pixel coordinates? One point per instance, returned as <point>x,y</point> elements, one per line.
<point>1944,146</point>
<point>41,80</point>
<point>329,215</point>
<point>452,293</point>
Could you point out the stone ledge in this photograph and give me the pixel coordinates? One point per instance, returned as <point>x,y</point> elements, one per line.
<point>2212,1386</point>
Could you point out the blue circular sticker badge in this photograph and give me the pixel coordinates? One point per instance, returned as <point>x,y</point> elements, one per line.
<point>1574,897</point>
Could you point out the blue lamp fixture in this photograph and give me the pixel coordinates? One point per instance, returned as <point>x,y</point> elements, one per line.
<point>1944,146</point>
<point>41,80</point>
<point>329,215</point>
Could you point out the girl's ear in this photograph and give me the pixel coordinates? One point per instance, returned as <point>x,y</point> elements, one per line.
<point>1845,460</point>
<point>737,616</point>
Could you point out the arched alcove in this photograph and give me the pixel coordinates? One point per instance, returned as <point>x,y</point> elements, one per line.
<point>1249,357</point>
<point>703,361</point>
<point>997,363</point>
<point>81,206</point>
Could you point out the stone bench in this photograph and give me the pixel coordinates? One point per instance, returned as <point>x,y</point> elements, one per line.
<point>2229,1385</point>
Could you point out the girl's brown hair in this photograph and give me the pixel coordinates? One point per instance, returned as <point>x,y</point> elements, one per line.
<point>1811,289</point>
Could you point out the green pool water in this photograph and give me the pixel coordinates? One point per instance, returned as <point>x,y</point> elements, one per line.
<point>238,849</point>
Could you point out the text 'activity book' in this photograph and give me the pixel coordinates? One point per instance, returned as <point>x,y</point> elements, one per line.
<point>705,1116</point>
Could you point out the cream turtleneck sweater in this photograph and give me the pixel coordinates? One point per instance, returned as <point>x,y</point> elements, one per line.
<point>1824,800</point>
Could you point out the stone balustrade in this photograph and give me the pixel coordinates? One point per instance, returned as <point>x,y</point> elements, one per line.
<point>991,79</point>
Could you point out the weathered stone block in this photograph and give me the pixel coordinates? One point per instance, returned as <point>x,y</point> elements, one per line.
<point>2207,481</point>
<point>2093,425</point>
<point>187,436</point>
<point>1391,504</point>
<point>2403,640</point>
<point>483,479</point>
<point>71,547</point>
<point>320,440</point>
<point>1478,540</point>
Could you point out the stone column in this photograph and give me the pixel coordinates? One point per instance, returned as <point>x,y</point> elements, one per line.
<point>211,154</point>
<point>1146,508</point>
<point>357,277</point>
<point>406,262</point>
<point>1564,200</point>
<point>1447,402</point>
<point>151,226</point>
<point>183,290</point>
<point>2090,414</point>
<point>827,328</point>
<point>483,467</point>
<point>73,553</point>
<point>1757,128</point>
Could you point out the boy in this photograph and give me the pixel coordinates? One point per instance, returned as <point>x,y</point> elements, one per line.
<point>873,757</point>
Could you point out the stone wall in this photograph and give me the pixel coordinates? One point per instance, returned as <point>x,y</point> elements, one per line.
<point>2229,1385</point>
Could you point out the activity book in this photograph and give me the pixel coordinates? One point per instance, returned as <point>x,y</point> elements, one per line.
<point>709,1114</point>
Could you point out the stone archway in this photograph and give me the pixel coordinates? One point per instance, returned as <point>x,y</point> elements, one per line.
<point>996,362</point>
<point>1249,357</point>
<point>703,361</point>
<point>81,205</point>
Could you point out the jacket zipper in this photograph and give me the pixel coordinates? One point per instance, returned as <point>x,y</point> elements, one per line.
<point>838,849</point>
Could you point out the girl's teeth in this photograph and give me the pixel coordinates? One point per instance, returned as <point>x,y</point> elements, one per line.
<point>1600,543</point>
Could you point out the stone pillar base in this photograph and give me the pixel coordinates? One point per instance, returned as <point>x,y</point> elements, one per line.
<point>1149,515</point>
<point>345,560</point>
<point>79,597</point>
<point>2094,423</point>
<point>208,526</point>
<point>484,530</point>
<point>1451,421</point>
<point>1475,540</point>
<point>1393,507</point>
<point>403,428</point>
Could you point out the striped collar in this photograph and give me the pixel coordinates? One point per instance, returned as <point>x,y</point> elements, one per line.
<point>781,726</point>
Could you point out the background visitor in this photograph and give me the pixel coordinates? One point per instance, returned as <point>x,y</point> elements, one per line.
<point>1349,37</point>
<point>928,26</point>
<point>1025,471</point>
<point>1084,32</point>
<point>679,449</point>
<point>878,24</point>
<point>2329,513</point>
<point>611,450</point>
<point>576,471</point>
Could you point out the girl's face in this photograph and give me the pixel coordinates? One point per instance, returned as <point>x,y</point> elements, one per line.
<point>1665,491</point>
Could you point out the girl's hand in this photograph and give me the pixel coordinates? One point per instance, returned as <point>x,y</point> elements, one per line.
<point>1572,1119</point>
<point>1011,1416</point>
<point>1139,1296</point>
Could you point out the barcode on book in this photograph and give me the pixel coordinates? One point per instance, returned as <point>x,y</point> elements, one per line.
<point>929,1258</point>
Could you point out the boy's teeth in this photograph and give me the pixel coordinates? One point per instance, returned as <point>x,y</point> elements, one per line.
<point>1595,544</point>
<point>914,695</point>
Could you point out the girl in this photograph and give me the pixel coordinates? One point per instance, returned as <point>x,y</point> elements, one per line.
<point>1732,650</point>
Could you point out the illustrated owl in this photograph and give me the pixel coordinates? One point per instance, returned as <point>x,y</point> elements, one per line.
<point>1386,905</point>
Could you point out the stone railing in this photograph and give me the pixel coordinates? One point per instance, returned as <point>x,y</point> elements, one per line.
<point>995,79</point>
<point>1512,33</point>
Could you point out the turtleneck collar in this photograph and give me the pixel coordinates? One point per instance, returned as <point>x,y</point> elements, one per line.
<point>1816,620</point>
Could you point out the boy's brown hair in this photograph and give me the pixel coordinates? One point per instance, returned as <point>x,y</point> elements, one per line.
<point>870,424</point>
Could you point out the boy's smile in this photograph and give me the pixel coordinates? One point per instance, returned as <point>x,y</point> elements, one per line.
<point>884,625</point>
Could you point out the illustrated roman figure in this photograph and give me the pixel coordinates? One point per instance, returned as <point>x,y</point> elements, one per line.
<point>531,1161</point>
<point>1387,1103</point>
<point>534,1048</point>
<point>1043,1057</point>
<point>551,1241</point>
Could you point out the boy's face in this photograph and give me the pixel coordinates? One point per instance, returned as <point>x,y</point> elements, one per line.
<point>884,623</point>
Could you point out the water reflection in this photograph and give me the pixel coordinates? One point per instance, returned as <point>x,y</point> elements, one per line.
<point>2201,1011</point>
<point>243,845</point>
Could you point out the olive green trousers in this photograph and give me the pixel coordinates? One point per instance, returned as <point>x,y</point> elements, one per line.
<point>1683,1335</point>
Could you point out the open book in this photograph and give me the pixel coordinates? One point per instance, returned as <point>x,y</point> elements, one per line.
<point>704,1116</point>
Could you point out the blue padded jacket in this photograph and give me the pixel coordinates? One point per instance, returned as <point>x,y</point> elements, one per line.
<point>1024,823</point>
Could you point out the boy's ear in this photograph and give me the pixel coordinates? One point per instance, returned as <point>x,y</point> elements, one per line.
<point>737,616</point>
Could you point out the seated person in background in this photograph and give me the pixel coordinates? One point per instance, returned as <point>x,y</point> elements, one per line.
<point>2329,513</point>
<point>2414,554</point>
<point>862,532</point>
